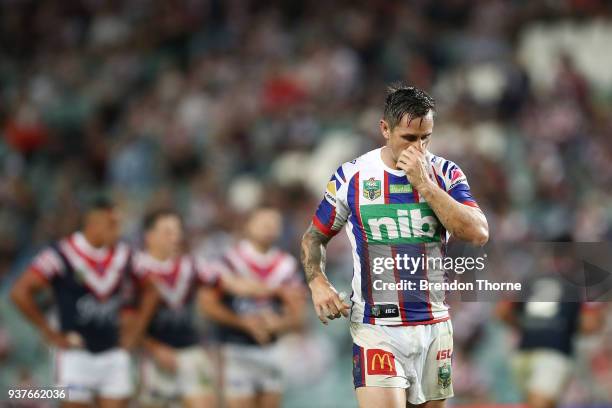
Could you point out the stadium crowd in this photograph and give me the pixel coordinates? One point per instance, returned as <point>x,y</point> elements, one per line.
<point>208,106</point>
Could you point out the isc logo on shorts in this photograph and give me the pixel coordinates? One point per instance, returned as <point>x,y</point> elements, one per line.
<point>380,362</point>
<point>444,354</point>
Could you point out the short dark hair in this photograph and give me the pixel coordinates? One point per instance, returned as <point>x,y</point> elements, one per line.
<point>96,201</point>
<point>152,217</point>
<point>402,99</point>
<point>93,202</point>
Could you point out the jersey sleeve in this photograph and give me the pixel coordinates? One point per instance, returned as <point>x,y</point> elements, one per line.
<point>48,264</point>
<point>455,183</point>
<point>333,211</point>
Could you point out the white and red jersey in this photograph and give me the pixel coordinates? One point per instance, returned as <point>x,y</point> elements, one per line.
<point>177,280</point>
<point>275,269</point>
<point>387,218</point>
<point>90,285</point>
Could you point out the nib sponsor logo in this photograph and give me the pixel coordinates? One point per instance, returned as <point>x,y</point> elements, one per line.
<point>400,223</point>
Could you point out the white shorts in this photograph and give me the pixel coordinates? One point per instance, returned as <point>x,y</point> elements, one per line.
<point>542,371</point>
<point>193,378</point>
<point>417,358</point>
<point>85,375</point>
<point>249,370</point>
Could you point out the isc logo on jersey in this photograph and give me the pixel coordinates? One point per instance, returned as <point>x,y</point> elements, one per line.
<point>400,223</point>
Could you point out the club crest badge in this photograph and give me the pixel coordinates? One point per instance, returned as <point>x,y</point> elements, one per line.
<point>444,375</point>
<point>371,189</point>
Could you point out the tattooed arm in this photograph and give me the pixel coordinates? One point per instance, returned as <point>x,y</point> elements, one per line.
<point>325,299</point>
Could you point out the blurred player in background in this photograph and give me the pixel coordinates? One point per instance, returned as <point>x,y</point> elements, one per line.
<point>398,200</point>
<point>90,276</point>
<point>176,367</point>
<point>548,324</point>
<point>251,325</point>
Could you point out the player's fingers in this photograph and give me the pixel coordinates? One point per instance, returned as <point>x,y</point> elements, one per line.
<point>321,314</point>
<point>332,308</point>
<point>403,164</point>
<point>407,155</point>
<point>415,151</point>
<point>341,307</point>
<point>404,158</point>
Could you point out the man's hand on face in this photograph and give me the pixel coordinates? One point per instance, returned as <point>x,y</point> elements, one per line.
<point>412,161</point>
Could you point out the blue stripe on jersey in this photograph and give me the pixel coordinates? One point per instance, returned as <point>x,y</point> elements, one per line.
<point>445,167</point>
<point>361,246</point>
<point>440,181</point>
<point>400,198</point>
<point>461,192</point>
<point>341,174</point>
<point>415,302</point>
<point>325,212</point>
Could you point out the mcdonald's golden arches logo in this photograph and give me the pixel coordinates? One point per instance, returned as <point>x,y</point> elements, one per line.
<point>380,362</point>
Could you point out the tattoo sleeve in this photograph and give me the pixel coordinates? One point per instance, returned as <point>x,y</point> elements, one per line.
<point>313,252</point>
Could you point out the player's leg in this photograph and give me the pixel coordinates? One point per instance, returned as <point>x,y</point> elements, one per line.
<point>428,404</point>
<point>270,378</point>
<point>241,402</point>
<point>113,403</point>
<point>378,373</point>
<point>115,385</point>
<point>69,404</point>
<point>535,400</point>
<point>194,378</point>
<point>154,384</point>
<point>73,370</point>
<point>238,382</point>
<point>368,397</point>
<point>200,401</point>
<point>550,373</point>
<point>269,400</point>
<point>433,384</point>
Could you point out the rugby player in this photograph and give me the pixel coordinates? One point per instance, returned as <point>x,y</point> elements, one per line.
<point>548,323</point>
<point>176,367</point>
<point>397,200</point>
<point>90,276</point>
<point>250,325</point>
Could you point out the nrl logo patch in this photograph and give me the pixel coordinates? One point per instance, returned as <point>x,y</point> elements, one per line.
<point>375,310</point>
<point>371,189</point>
<point>444,375</point>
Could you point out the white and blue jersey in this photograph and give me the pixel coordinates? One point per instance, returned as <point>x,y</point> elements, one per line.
<point>387,218</point>
<point>90,285</point>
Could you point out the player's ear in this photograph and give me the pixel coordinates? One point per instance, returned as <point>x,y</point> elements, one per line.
<point>384,129</point>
